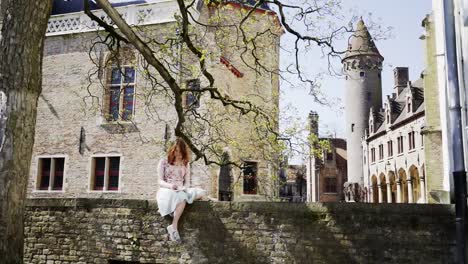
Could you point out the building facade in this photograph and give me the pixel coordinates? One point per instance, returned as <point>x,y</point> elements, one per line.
<point>327,173</point>
<point>99,135</point>
<point>403,151</point>
<point>394,145</point>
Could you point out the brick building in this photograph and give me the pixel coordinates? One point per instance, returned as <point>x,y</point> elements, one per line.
<point>326,174</point>
<point>98,134</point>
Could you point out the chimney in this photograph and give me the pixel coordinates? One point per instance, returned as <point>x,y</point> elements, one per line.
<point>313,120</point>
<point>401,77</point>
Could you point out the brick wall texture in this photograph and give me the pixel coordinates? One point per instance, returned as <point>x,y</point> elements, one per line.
<point>99,230</point>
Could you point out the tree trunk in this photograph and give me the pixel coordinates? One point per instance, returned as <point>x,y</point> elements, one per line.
<point>22,42</point>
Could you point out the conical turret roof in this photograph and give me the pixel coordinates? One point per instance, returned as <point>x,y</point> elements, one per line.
<point>361,43</point>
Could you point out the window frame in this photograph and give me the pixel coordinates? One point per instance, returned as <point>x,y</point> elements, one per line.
<point>105,188</point>
<point>401,145</point>
<point>390,148</point>
<point>411,140</point>
<point>197,103</point>
<point>256,177</point>
<point>108,115</point>
<point>381,152</point>
<point>325,183</point>
<point>372,155</point>
<point>409,104</point>
<point>50,189</point>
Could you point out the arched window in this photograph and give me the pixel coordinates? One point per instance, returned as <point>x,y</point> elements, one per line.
<point>119,96</point>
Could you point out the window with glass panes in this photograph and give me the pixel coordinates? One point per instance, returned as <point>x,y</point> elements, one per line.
<point>411,140</point>
<point>105,174</point>
<point>249,172</point>
<point>400,144</point>
<point>192,98</point>
<point>390,148</point>
<point>381,152</point>
<point>330,185</point>
<point>121,93</point>
<point>50,174</point>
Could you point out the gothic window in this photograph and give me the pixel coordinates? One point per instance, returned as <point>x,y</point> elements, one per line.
<point>372,154</point>
<point>330,185</point>
<point>192,98</point>
<point>120,87</point>
<point>411,140</point>
<point>381,152</point>
<point>105,173</point>
<point>249,172</point>
<point>400,144</point>
<point>50,174</point>
<point>352,127</point>
<point>390,148</point>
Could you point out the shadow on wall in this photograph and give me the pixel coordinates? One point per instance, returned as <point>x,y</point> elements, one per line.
<point>97,231</point>
<point>264,233</point>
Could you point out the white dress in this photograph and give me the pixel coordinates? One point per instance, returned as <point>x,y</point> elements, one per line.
<point>179,175</point>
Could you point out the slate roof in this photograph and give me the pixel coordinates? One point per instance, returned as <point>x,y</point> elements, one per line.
<point>250,3</point>
<point>361,43</point>
<point>398,106</point>
<point>70,6</point>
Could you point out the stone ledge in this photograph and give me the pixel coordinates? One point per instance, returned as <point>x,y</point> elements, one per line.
<point>401,209</point>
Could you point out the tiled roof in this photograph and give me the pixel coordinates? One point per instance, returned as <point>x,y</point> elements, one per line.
<point>250,3</point>
<point>399,106</point>
<point>71,6</point>
<point>379,121</point>
<point>418,101</point>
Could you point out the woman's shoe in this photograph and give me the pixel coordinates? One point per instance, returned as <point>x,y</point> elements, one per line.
<point>211,199</point>
<point>173,234</point>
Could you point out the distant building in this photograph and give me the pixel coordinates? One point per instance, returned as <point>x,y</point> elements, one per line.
<point>326,174</point>
<point>402,158</point>
<point>293,184</point>
<point>394,147</point>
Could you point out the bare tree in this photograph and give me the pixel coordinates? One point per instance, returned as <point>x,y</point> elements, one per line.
<point>246,36</point>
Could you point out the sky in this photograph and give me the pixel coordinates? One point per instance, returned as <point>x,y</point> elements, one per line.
<point>402,48</point>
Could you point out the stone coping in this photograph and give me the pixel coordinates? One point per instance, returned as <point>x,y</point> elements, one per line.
<point>294,208</point>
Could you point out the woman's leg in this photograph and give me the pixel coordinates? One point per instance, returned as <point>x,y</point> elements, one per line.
<point>177,214</point>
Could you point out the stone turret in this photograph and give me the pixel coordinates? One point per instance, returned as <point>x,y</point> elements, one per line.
<point>313,122</point>
<point>362,65</point>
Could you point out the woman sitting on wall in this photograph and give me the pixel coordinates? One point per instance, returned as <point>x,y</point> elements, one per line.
<point>174,182</point>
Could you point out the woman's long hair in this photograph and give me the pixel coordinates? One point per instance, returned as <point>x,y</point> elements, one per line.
<point>179,147</point>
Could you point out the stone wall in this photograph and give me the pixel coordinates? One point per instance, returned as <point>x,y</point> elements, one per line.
<point>99,230</point>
